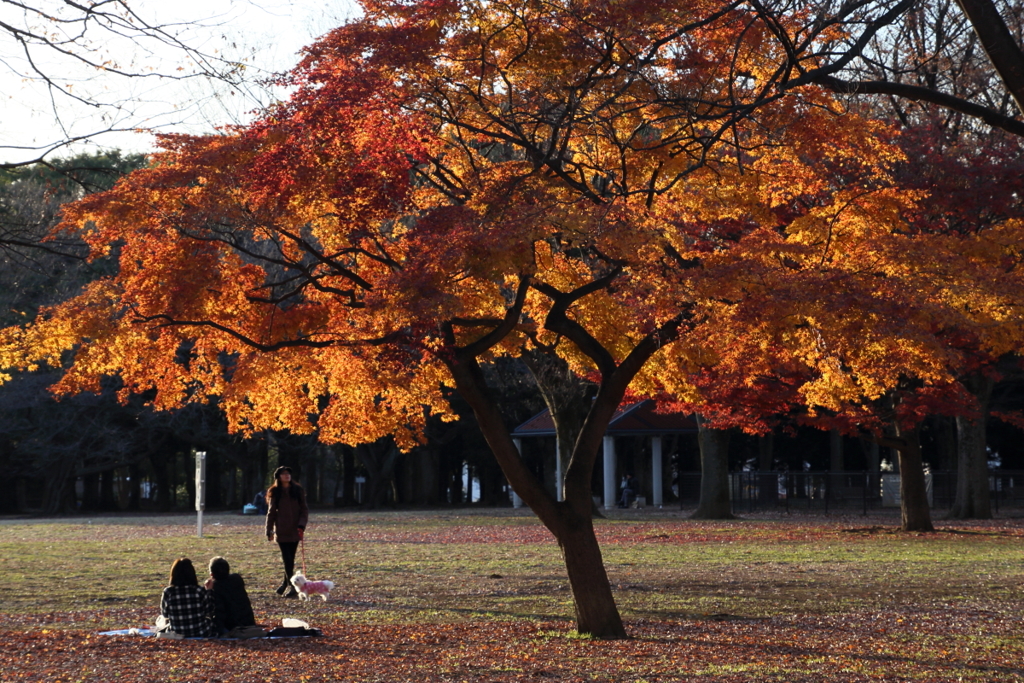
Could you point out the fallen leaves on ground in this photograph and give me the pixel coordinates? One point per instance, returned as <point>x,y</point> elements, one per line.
<point>909,645</point>
<point>430,597</point>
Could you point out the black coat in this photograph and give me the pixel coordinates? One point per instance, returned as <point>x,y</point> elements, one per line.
<point>231,603</point>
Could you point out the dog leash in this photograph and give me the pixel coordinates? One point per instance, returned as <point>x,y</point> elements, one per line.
<point>302,544</point>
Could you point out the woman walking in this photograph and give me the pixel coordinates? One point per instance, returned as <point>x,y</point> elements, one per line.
<point>287,516</point>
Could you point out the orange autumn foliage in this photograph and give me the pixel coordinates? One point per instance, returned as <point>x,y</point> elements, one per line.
<point>628,183</point>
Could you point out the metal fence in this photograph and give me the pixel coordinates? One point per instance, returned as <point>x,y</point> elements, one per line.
<point>848,492</point>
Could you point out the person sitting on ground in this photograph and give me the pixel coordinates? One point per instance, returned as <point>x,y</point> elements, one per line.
<point>260,502</point>
<point>231,605</point>
<point>628,492</point>
<point>186,607</point>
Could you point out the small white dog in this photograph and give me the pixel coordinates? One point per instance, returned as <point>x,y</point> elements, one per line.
<point>308,589</point>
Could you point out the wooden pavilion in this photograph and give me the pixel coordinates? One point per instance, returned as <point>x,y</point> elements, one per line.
<point>637,419</point>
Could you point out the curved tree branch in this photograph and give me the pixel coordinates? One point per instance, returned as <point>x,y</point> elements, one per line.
<point>559,322</point>
<point>914,92</point>
<point>165,320</point>
<point>1000,46</point>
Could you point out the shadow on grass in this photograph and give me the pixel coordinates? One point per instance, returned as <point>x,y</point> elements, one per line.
<point>742,650</point>
<point>895,531</point>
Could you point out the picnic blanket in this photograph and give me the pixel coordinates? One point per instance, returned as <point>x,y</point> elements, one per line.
<point>279,632</point>
<point>290,628</point>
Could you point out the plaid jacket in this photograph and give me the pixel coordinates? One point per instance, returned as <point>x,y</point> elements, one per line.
<point>189,609</point>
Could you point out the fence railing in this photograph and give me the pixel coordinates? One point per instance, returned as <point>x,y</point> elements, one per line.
<point>843,491</point>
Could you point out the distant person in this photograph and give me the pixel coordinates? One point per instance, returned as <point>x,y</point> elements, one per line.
<point>260,502</point>
<point>231,606</point>
<point>186,607</point>
<point>628,487</point>
<point>287,516</point>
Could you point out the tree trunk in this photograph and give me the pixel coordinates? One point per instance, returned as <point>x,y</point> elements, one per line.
<point>263,459</point>
<point>492,483</point>
<point>567,430</point>
<point>189,458</point>
<point>714,479</point>
<point>163,483</point>
<point>59,491</point>
<point>348,488</point>
<point>973,498</point>
<point>946,442</point>
<point>596,612</point>
<point>171,465</point>
<point>836,462</point>
<point>568,399</point>
<point>570,521</point>
<point>378,459</point>
<point>135,488</point>
<point>916,516</point>
<point>455,489</point>
<point>91,493</point>
<point>766,452</point>
<point>312,471</point>
<point>231,497</point>
<point>214,490</point>
<point>108,501</point>
<point>872,454</point>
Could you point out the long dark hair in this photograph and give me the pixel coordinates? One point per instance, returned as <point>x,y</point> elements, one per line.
<point>183,573</point>
<point>294,490</point>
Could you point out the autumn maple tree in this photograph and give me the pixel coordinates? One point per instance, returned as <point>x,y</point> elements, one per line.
<point>949,81</point>
<point>871,336</point>
<point>607,182</point>
<point>950,73</point>
<point>971,171</point>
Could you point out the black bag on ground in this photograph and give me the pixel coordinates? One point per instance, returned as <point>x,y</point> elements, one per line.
<point>293,631</point>
<point>244,632</point>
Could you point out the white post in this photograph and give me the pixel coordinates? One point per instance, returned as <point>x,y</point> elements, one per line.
<point>517,502</point>
<point>200,491</point>
<point>610,485</point>
<point>559,475</point>
<point>656,472</point>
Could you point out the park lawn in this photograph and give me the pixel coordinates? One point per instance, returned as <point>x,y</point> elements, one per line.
<point>482,596</point>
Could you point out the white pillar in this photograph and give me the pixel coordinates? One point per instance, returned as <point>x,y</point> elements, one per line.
<point>200,490</point>
<point>559,475</point>
<point>656,472</point>
<point>610,484</point>
<point>517,502</point>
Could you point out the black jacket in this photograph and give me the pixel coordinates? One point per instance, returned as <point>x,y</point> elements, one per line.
<point>231,603</point>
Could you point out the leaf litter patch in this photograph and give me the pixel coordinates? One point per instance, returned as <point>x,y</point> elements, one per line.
<point>937,644</point>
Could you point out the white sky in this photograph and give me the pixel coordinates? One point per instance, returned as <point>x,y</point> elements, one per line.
<point>264,34</point>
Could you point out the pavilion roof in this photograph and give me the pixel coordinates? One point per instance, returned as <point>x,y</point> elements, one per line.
<point>630,419</point>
